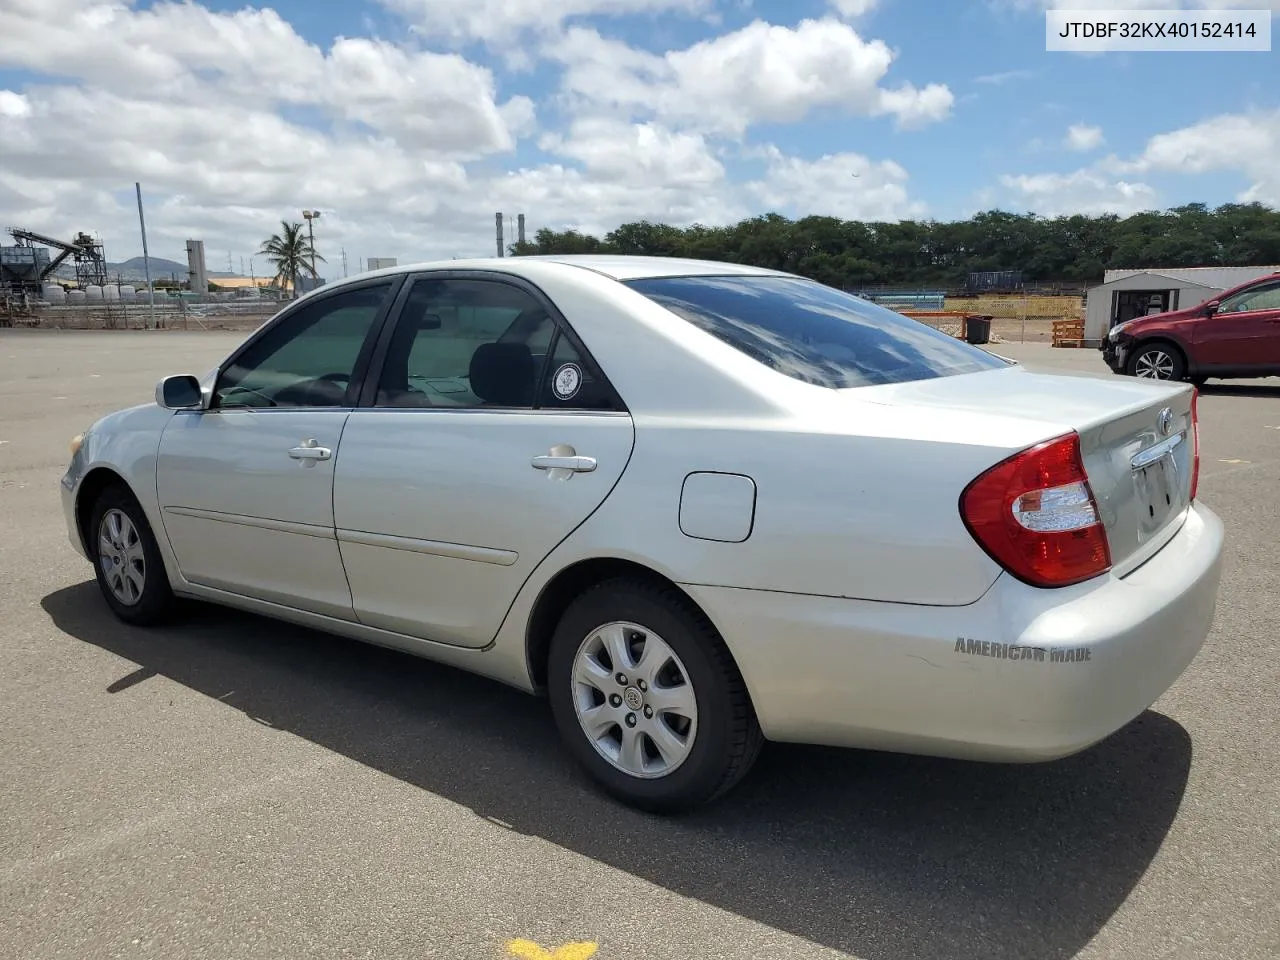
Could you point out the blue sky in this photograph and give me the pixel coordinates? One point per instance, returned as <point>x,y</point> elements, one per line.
<point>682,110</point>
<point>1014,100</point>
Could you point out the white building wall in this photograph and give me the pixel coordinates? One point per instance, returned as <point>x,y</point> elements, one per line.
<point>1097,317</point>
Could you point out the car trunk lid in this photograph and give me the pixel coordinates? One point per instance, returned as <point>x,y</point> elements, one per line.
<point>1136,439</point>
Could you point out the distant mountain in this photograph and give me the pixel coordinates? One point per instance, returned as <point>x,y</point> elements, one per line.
<point>133,270</point>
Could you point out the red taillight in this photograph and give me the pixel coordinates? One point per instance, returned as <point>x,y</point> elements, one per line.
<point>1034,513</point>
<point>1195,443</point>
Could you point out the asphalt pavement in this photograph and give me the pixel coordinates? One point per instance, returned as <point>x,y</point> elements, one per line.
<point>232,787</point>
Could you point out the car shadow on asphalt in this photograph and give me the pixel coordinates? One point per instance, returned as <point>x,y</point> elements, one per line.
<point>1228,389</point>
<point>882,856</point>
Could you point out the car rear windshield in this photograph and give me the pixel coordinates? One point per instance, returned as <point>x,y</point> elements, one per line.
<point>813,332</point>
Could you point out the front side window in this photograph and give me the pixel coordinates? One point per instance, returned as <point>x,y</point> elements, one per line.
<point>474,343</point>
<point>306,360</point>
<point>1262,297</point>
<point>815,333</point>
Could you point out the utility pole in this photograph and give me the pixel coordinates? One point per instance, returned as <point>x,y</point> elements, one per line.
<point>497,222</point>
<point>344,261</point>
<point>146,260</point>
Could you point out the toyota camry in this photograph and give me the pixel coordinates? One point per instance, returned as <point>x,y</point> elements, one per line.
<point>695,505</point>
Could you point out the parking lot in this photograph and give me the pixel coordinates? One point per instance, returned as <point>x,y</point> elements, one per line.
<point>234,787</point>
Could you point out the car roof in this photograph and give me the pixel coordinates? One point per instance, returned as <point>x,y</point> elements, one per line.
<point>622,267</point>
<point>614,266</point>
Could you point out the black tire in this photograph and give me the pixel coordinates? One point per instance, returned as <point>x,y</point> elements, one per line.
<point>1157,355</point>
<point>727,739</point>
<point>155,603</point>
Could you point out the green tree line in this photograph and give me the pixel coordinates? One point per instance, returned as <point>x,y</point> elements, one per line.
<point>853,254</point>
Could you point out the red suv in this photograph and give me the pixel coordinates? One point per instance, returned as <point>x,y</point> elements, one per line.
<point>1236,334</point>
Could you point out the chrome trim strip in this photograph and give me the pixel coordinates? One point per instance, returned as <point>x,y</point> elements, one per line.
<point>433,548</point>
<point>490,411</point>
<point>1152,454</point>
<point>262,523</point>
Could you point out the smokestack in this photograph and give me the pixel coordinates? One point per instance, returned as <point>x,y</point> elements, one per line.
<point>497,219</point>
<point>520,229</point>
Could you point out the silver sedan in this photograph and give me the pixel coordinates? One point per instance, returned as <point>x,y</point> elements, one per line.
<point>697,505</point>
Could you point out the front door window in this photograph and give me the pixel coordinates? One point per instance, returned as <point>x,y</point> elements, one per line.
<point>307,360</point>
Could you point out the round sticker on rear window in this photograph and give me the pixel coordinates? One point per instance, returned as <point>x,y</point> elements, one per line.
<point>567,381</point>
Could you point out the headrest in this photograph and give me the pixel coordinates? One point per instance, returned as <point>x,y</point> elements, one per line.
<point>503,374</point>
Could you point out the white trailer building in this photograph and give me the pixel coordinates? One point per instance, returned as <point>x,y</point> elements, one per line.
<point>1125,294</point>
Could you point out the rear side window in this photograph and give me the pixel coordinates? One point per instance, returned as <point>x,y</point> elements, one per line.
<point>815,333</point>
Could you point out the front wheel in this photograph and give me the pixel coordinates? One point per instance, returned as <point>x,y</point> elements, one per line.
<point>127,560</point>
<point>648,699</point>
<point>1157,361</point>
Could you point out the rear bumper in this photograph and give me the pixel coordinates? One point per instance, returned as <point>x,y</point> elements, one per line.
<point>1022,675</point>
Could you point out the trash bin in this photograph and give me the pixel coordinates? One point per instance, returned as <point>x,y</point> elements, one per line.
<point>977,330</point>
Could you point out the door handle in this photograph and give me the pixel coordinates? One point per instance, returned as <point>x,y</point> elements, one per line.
<point>310,451</point>
<point>575,464</point>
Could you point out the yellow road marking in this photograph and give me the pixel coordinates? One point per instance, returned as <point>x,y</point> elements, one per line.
<point>528,950</point>
<point>1233,461</point>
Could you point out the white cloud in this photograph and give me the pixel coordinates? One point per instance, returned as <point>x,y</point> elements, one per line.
<point>762,73</point>
<point>852,9</point>
<point>846,185</point>
<point>1139,4</point>
<point>1245,143</point>
<point>233,121</point>
<point>504,19</point>
<point>1003,77</point>
<point>1082,137</point>
<point>13,104</point>
<point>637,152</point>
<point>1082,191</point>
<point>174,53</point>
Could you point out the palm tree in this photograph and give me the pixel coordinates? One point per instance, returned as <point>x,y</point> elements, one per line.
<point>291,254</point>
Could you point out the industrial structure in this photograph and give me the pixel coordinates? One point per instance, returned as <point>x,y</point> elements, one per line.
<point>501,234</point>
<point>29,272</point>
<point>1125,294</point>
<point>197,274</point>
<point>28,267</point>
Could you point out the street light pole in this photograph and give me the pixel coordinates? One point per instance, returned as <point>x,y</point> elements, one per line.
<point>310,216</point>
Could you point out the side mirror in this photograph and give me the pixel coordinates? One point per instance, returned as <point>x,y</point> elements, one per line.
<point>179,393</point>
<point>1211,308</point>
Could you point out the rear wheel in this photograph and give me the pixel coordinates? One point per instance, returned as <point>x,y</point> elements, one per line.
<point>648,699</point>
<point>127,560</point>
<point>1157,361</point>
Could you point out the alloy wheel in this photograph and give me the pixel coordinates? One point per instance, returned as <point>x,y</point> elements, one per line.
<point>1154,364</point>
<point>634,700</point>
<point>121,557</point>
